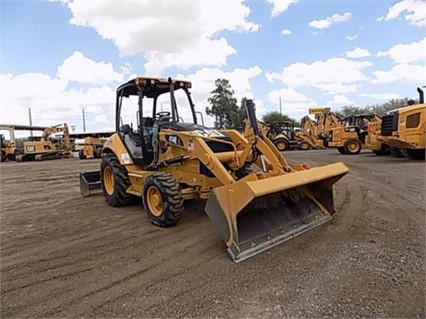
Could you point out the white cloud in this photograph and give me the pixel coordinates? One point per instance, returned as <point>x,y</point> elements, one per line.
<point>293,103</point>
<point>52,101</point>
<point>351,37</point>
<point>414,11</point>
<point>407,53</point>
<point>333,76</point>
<point>402,73</point>
<point>164,30</point>
<point>327,22</point>
<point>203,83</point>
<point>285,32</point>
<point>279,6</point>
<point>339,100</point>
<point>382,96</point>
<point>357,53</point>
<point>205,53</point>
<point>81,69</point>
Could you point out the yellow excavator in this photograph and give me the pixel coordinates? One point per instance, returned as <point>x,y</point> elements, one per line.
<point>53,144</point>
<point>254,197</point>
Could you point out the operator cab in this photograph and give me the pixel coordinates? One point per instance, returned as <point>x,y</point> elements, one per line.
<point>153,104</point>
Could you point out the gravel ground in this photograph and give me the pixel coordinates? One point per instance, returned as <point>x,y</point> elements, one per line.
<point>67,256</point>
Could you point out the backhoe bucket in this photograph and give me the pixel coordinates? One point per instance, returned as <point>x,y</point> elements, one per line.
<point>89,181</point>
<point>254,215</point>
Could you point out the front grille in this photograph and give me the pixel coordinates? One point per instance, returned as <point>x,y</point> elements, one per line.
<point>389,124</point>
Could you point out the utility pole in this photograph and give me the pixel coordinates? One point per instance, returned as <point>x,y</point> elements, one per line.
<point>84,121</point>
<point>31,121</point>
<point>73,128</point>
<point>281,110</point>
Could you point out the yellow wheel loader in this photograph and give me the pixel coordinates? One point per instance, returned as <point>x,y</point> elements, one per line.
<point>53,144</point>
<point>254,197</point>
<point>404,129</point>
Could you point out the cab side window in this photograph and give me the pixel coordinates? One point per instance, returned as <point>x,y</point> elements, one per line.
<point>413,120</point>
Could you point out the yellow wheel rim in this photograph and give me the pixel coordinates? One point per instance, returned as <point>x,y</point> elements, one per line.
<point>281,146</point>
<point>108,180</point>
<point>154,200</point>
<point>353,146</point>
<point>305,146</point>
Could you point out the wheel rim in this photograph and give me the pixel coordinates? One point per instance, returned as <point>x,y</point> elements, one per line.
<point>281,146</point>
<point>154,200</point>
<point>353,147</point>
<point>304,146</point>
<point>108,180</point>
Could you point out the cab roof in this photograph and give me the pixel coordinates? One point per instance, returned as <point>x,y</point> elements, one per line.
<point>153,86</point>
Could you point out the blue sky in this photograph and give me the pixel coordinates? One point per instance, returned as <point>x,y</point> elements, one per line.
<point>59,57</point>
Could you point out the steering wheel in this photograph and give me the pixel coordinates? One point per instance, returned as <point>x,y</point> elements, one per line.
<point>159,115</point>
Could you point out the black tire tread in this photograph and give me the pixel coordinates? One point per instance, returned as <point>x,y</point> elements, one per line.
<point>172,199</point>
<point>121,182</point>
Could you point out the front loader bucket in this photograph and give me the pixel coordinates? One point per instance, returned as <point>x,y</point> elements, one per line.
<point>254,215</point>
<point>89,181</point>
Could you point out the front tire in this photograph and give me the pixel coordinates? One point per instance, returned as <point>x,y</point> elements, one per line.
<point>304,146</point>
<point>81,154</point>
<point>341,150</point>
<point>281,144</point>
<point>162,200</point>
<point>115,181</point>
<point>352,146</point>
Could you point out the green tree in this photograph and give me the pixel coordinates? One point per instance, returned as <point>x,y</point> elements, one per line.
<point>223,105</point>
<point>277,117</point>
<point>387,106</point>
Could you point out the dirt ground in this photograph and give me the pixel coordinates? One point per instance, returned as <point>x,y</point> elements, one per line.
<point>63,255</point>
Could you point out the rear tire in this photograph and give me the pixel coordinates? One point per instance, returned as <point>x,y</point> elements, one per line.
<point>98,152</point>
<point>352,147</point>
<point>115,181</point>
<point>395,152</point>
<point>281,144</point>
<point>162,200</point>
<point>81,154</point>
<point>413,154</point>
<point>13,156</point>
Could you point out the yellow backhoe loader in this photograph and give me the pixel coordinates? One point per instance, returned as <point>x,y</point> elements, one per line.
<point>254,197</point>
<point>8,150</point>
<point>325,121</point>
<point>404,129</point>
<point>350,137</point>
<point>285,137</point>
<point>91,148</point>
<point>53,144</point>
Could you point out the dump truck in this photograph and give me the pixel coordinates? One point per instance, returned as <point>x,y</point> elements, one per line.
<point>404,129</point>
<point>254,197</point>
<point>53,144</point>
